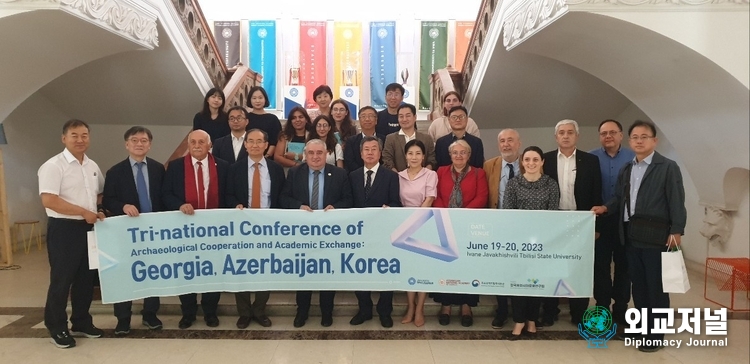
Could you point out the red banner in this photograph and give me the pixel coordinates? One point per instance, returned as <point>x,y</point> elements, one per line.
<point>463,37</point>
<point>312,58</point>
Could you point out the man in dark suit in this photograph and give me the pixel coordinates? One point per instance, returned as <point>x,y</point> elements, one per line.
<point>131,189</point>
<point>373,186</point>
<point>254,182</point>
<point>577,173</point>
<point>230,148</point>
<point>307,190</point>
<point>368,120</point>
<point>195,182</point>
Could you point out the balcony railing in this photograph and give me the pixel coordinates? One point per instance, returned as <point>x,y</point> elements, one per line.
<point>478,36</point>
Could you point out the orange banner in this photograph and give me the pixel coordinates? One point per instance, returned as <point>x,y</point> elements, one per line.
<point>463,37</point>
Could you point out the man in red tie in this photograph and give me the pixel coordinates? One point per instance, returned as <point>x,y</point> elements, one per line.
<point>254,182</point>
<point>196,182</point>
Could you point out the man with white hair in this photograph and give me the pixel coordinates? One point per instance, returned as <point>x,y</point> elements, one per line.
<point>577,173</point>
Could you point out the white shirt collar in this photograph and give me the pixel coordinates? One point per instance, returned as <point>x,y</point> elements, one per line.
<point>374,169</point>
<point>647,160</point>
<point>242,138</point>
<point>559,153</point>
<point>69,157</point>
<point>251,163</point>
<point>203,161</point>
<point>401,132</point>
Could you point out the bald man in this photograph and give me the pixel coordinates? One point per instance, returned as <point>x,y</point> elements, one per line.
<point>196,182</point>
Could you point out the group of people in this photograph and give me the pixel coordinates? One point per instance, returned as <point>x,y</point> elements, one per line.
<point>247,161</point>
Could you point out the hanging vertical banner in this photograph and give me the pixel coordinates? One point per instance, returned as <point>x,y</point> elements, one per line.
<point>463,37</point>
<point>347,55</point>
<point>433,56</point>
<point>382,60</point>
<point>263,55</point>
<point>227,36</point>
<point>312,58</point>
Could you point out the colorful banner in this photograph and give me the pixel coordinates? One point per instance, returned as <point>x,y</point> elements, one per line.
<point>463,37</point>
<point>227,36</point>
<point>263,55</point>
<point>433,56</point>
<point>382,60</point>
<point>407,249</point>
<point>347,55</point>
<point>312,58</point>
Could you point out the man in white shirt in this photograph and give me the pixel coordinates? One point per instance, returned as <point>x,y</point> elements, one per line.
<point>70,185</point>
<point>231,147</point>
<point>394,155</point>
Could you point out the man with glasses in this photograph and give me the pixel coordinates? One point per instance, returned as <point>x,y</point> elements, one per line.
<point>368,120</point>
<point>230,147</point>
<point>388,117</point>
<point>650,186</point>
<point>458,117</point>
<point>394,156</point>
<point>612,157</point>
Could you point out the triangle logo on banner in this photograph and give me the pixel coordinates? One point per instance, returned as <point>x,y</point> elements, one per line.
<point>447,250</point>
<point>563,289</point>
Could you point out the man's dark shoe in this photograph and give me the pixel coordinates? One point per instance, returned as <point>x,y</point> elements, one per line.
<point>186,322</point>
<point>386,321</point>
<point>467,320</point>
<point>243,322</point>
<point>444,319</point>
<point>91,332</point>
<point>548,321</point>
<point>212,321</point>
<point>63,340</point>
<point>152,322</point>
<point>360,318</point>
<point>650,349</point>
<point>263,320</point>
<point>326,320</point>
<point>122,328</point>
<point>300,320</point>
<point>498,322</point>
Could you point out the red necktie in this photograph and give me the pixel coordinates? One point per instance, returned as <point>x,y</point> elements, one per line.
<point>255,200</point>
<point>201,192</point>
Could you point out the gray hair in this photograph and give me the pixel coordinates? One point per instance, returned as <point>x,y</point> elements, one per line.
<point>460,142</point>
<point>370,139</point>
<point>566,122</point>
<point>315,141</point>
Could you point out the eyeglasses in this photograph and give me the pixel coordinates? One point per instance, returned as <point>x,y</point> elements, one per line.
<point>610,133</point>
<point>338,110</point>
<point>461,153</point>
<point>636,138</point>
<point>136,141</point>
<point>322,126</point>
<point>368,116</point>
<point>236,119</point>
<point>458,117</point>
<point>255,142</point>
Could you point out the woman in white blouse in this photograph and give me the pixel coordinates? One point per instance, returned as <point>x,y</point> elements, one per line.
<point>323,128</point>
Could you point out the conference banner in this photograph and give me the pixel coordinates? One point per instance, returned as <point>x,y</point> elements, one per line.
<point>464,30</point>
<point>382,60</point>
<point>347,56</point>
<point>263,55</point>
<point>227,36</point>
<point>433,56</point>
<point>312,58</point>
<point>505,252</point>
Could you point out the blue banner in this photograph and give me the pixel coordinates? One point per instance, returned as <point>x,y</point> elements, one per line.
<point>382,60</point>
<point>263,55</point>
<point>508,252</point>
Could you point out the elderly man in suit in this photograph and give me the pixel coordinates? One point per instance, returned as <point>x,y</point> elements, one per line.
<point>394,155</point>
<point>231,147</point>
<point>131,187</point>
<point>254,182</point>
<point>368,120</point>
<point>196,181</point>
<point>373,186</point>
<point>577,173</point>
<point>316,185</point>
<point>499,171</point>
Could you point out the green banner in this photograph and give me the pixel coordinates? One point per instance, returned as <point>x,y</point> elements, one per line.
<point>433,56</point>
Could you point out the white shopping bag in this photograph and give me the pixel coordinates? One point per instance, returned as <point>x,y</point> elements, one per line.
<point>674,277</point>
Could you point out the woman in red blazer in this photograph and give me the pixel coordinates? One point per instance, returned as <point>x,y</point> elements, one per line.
<point>463,186</point>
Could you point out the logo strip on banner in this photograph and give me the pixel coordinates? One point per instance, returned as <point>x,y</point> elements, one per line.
<point>347,56</point>
<point>263,55</point>
<point>227,36</point>
<point>312,58</point>
<point>463,37</point>
<point>408,249</point>
<point>382,60</point>
<point>433,56</point>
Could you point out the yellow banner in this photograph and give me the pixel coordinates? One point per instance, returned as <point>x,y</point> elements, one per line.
<point>347,55</point>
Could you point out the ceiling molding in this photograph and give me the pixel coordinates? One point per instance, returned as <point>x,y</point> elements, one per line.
<point>127,18</point>
<point>529,18</point>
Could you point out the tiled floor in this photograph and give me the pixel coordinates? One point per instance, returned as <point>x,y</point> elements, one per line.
<point>23,338</point>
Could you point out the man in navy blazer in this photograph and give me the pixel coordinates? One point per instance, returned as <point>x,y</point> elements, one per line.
<point>368,120</point>
<point>373,186</point>
<point>580,180</point>
<point>124,196</point>
<point>241,193</point>
<point>334,192</point>
<point>231,147</point>
<point>176,196</point>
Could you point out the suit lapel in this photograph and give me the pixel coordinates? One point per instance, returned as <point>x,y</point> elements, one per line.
<point>579,164</point>
<point>130,182</point>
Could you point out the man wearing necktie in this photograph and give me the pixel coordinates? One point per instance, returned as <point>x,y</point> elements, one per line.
<point>499,171</point>
<point>310,186</point>
<point>132,187</point>
<point>373,186</point>
<point>196,182</point>
<point>254,182</point>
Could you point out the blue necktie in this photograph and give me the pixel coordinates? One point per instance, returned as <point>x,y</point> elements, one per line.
<point>140,185</point>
